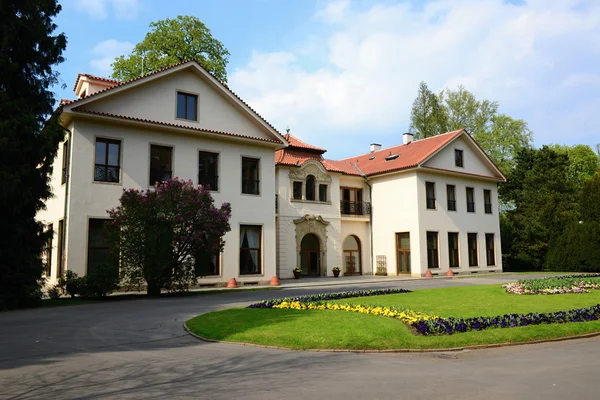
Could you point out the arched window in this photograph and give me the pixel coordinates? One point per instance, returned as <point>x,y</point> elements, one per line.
<point>310,187</point>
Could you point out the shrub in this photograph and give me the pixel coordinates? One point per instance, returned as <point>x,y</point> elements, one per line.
<point>102,280</point>
<point>71,284</point>
<point>157,234</point>
<point>576,249</point>
<point>54,292</point>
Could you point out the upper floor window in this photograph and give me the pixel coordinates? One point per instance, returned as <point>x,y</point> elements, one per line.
<point>187,106</point>
<point>430,189</point>
<point>470,200</point>
<point>250,181</point>
<point>208,170</point>
<point>352,202</point>
<point>322,192</point>
<point>310,187</point>
<point>65,162</point>
<point>108,160</point>
<point>487,201</point>
<point>161,159</point>
<point>451,194</point>
<point>297,190</point>
<point>458,158</point>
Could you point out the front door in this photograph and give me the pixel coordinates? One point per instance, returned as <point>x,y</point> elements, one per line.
<point>310,259</point>
<point>402,253</point>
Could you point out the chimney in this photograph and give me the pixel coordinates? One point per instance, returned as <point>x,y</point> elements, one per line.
<point>407,137</point>
<point>375,147</point>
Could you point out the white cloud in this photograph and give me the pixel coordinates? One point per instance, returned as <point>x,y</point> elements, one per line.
<point>101,9</point>
<point>537,59</point>
<point>104,53</point>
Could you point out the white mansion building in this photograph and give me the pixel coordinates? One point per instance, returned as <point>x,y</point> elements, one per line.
<point>428,204</point>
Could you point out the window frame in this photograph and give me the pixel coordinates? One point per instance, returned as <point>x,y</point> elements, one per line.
<point>88,247</point>
<point>150,183</point>
<point>244,180</point>
<point>323,190</point>
<point>454,252</point>
<point>487,206</point>
<point>451,204</point>
<point>217,169</point>
<point>258,249</point>
<point>470,204</point>
<point>312,195</point>
<point>107,141</point>
<point>186,95</point>
<point>49,244</point>
<point>297,185</point>
<point>490,252</point>
<point>459,158</point>
<point>430,202</point>
<point>430,264</point>
<point>473,251</point>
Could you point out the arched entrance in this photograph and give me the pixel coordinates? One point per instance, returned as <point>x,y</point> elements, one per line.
<point>352,256</point>
<point>310,255</point>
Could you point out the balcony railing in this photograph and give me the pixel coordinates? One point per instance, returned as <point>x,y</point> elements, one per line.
<point>355,207</point>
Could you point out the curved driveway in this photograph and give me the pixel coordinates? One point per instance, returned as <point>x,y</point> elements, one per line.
<point>138,349</point>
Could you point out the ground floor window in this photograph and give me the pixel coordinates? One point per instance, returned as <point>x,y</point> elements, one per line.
<point>61,248</point>
<point>489,249</point>
<point>48,263</point>
<point>453,249</point>
<point>98,248</point>
<point>208,263</point>
<point>432,250</point>
<point>472,239</point>
<point>250,249</point>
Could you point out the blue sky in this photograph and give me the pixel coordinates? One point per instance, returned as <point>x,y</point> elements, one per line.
<point>343,73</point>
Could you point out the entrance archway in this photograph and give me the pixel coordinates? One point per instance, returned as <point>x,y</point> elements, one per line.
<point>310,255</point>
<point>352,256</point>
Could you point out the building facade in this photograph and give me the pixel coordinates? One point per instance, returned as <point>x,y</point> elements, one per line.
<point>429,204</point>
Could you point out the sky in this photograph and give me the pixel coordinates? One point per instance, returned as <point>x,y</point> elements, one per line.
<point>342,74</point>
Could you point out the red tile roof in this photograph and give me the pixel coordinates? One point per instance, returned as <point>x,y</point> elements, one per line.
<point>119,84</point>
<point>83,110</point>
<point>98,78</point>
<point>408,155</point>
<point>296,143</point>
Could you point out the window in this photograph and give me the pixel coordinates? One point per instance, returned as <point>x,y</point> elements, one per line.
<point>161,158</point>
<point>250,249</point>
<point>352,202</point>
<point>49,251</point>
<point>208,170</point>
<point>187,106</point>
<point>65,162</point>
<point>470,200</point>
<point>487,201</point>
<point>453,250</point>
<point>98,248</point>
<point>61,248</point>
<point>489,249</point>
<point>458,158</point>
<point>451,195</point>
<point>472,239</point>
<point>297,190</point>
<point>310,187</point>
<point>322,192</point>
<point>108,154</point>
<point>208,264</point>
<point>432,250</point>
<point>250,182</point>
<point>430,189</point>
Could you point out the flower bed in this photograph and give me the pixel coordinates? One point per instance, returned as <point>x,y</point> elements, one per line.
<point>555,285</point>
<point>404,315</point>
<point>327,297</point>
<point>449,326</point>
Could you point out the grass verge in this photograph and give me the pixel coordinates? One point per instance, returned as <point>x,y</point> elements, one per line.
<point>313,329</point>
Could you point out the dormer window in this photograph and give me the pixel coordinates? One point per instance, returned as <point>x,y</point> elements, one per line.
<point>187,106</point>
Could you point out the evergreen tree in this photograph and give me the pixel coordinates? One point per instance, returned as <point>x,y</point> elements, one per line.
<point>29,138</point>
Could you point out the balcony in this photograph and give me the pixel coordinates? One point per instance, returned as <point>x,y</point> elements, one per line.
<point>355,208</point>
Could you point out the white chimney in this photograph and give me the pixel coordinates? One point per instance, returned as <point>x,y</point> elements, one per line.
<point>407,137</point>
<point>375,147</point>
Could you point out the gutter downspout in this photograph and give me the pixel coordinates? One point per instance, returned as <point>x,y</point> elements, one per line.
<point>366,178</point>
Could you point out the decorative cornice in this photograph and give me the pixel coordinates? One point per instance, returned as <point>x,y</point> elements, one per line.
<point>308,218</point>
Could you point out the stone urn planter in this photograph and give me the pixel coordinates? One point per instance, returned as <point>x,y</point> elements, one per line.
<point>297,273</point>
<point>336,272</point>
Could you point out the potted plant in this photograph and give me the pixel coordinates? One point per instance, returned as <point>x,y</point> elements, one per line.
<point>297,272</point>
<point>336,271</point>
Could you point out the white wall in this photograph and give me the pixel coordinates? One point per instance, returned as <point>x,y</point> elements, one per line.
<point>157,100</point>
<point>473,161</point>
<point>91,199</point>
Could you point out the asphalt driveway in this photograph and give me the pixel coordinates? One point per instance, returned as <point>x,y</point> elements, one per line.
<point>138,349</point>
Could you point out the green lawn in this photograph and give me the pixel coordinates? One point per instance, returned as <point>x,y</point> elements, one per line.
<point>344,330</point>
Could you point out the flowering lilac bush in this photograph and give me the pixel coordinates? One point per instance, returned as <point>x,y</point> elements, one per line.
<point>449,326</point>
<point>158,232</point>
<point>327,297</point>
<point>555,285</point>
